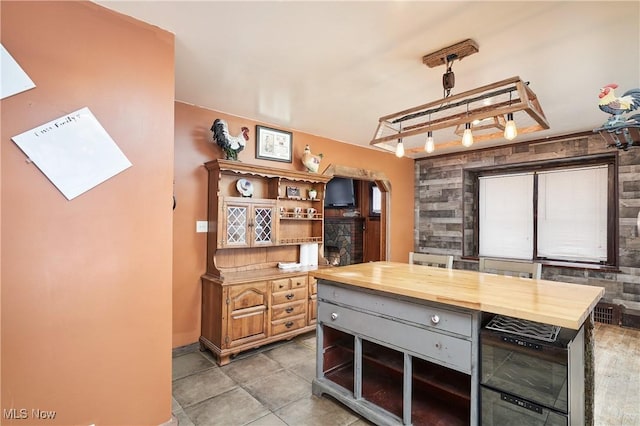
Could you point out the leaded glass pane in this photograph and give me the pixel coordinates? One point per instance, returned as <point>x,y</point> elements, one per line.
<point>263,225</point>
<point>236,225</point>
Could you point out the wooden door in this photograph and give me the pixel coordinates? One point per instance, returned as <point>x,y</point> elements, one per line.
<point>371,246</point>
<point>247,313</point>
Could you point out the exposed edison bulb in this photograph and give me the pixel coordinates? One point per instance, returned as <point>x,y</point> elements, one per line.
<point>400,149</point>
<point>510,129</point>
<point>467,136</point>
<point>429,145</point>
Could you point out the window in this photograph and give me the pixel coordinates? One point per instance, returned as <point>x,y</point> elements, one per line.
<point>375,206</point>
<point>558,214</point>
<point>572,214</point>
<point>506,216</point>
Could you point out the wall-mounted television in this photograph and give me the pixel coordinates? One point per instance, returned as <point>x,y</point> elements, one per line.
<point>340,193</point>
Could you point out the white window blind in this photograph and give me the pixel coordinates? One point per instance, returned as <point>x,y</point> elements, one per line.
<point>376,200</point>
<point>572,214</point>
<point>506,216</point>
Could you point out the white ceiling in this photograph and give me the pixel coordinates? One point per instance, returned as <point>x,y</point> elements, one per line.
<point>332,69</point>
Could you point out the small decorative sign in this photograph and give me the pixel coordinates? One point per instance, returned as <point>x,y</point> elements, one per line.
<point>293,192</point>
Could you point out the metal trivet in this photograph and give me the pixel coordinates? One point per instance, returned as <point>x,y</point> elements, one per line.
<point>531,329</point>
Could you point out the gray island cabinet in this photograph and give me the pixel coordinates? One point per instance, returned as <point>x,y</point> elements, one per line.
<point>400,343</point>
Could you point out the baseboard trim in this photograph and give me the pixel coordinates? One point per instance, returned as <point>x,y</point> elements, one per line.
<point>182,350</point>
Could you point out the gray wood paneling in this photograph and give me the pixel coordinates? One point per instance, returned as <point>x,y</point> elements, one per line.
<point>444,209</point>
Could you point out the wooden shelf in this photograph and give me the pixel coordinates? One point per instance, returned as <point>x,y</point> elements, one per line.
<point>435,388</point>
<point>315,200</point>
<point>342,376</point>
<point>303,240</point>
<point>382,386</point>
<point>292,216</point>
<point>424,372</point>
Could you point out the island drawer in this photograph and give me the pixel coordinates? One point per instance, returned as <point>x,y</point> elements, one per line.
<point>440,348</point>
<point>422,315</point>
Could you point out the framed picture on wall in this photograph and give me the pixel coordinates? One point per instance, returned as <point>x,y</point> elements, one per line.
<point>273,144</point>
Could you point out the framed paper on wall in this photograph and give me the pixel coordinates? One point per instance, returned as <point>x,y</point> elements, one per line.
<point>272,144</point>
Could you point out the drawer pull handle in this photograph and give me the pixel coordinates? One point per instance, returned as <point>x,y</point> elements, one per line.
<point>435,319</point>
<point>334,316</point>
<point>289,309</point>
<point>289,296</point>
<point>289,324</point>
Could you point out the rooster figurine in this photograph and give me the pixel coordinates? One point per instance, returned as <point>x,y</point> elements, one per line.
<point>622,132</point>
<point>231,145</point>
<point>310,161</point>
<point>616,106</point>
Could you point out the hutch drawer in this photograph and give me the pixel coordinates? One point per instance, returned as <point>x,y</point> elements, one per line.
<point>288,324</point>
<point>288,283</point>
<point>288,296</point>
<point>288,310</point>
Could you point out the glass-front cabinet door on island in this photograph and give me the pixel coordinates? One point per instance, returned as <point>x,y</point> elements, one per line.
<point>247,224</point>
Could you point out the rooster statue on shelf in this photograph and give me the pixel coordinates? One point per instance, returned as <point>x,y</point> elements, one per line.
<point>622,132</point>
<point>616,106</point>
<point>310,161</point>
<point>231,145</point>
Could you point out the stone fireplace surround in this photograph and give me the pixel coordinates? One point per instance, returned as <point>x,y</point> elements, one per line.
<point>343,240</point>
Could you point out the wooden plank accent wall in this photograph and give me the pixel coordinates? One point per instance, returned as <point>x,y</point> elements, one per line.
<point>444,211</point>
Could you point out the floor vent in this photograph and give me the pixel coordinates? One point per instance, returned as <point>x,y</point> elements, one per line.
<point>607,313</point>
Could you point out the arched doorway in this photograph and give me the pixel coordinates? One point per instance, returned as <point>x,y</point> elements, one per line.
<point>384,185</point>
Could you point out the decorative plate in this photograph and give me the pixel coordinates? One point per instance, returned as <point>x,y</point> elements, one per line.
<point>245,188</point>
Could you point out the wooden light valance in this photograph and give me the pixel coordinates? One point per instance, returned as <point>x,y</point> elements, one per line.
<point>485,107</point>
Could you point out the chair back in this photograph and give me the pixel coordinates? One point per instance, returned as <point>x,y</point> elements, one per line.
<point>511,267</point>
<point>439,260</point>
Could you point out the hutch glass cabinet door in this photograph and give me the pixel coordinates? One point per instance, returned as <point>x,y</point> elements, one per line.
<point>262,225</point>
<point>248,224</point>
<point>236,225</point>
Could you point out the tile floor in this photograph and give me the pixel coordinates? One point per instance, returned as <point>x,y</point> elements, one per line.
<point>271,386</point>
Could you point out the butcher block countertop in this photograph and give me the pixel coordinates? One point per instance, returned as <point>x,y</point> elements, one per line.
<point>550,302</point>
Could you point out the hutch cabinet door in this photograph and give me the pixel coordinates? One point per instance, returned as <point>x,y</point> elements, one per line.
<point>235,224</point>
<point>247,224</point>
<point>247,319</point>
<point>262,225</point>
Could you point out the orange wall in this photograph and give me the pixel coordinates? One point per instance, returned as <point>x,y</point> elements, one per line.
<point>194,146</point>
<point>86,284</point>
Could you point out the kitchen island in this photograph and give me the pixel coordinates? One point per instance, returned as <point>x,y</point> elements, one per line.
<point>400,343</point>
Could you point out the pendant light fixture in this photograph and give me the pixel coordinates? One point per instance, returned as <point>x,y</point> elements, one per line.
<point>400,146</point>
<point>400,149</point>
<point>496,108</point>
<point>429,145</point>
<point>467,136</point>
<point>510,129</point>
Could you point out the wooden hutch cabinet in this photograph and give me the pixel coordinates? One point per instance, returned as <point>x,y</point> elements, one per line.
<point>247,301</point>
